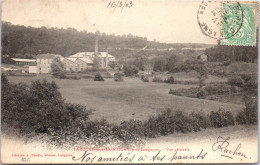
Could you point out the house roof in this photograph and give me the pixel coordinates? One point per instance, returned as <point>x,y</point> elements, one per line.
<point>197,55</point>
<point>90,54</point>
<point>49,56</point>
<point>72,59</point>
<point>23,60</point>
<point>86,60</point>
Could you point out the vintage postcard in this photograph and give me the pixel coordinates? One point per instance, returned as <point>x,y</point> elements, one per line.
<point>129,81</point>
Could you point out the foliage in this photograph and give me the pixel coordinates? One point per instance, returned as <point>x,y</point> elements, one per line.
<point>202,93</point>
<point>144,78</point>
<point>169,80</point>
<point>112,64</point>
<point>249,114</point>
<point>221,118</point>
<point>140,63</point>
<point>157,79</point>
<point>232,53</point>
<point>219,89</point>
<point>39,108</point>
<point>235,81</point>
<point>118,77</point>
<point>199,121</point>
<point>130,70</point>
<point>159,65</point>
<point>171,63</point>
<point>57,68</point>
<point>98,77</point>
<point>188,92</point>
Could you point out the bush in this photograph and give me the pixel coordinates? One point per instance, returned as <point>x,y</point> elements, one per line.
<point>202,94</point>
<point>157,79</point>
<point>57,68</point>
<point>144,78</point>
<point>40,108</point>
<point>199,121</point>
<point>169,80</point>
<point>73,77</point>
<point>118,77</point>
<point>98,77</point>
<point>221,118</point>
<point>249,114</point>
<point>190,92</point>
<point>235,81</point>
<point>218,89</point>
<point>131,70</point>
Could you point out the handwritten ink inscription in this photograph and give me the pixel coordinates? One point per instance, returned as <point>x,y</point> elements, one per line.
<point>120,4</point>
<point>132,157</point>
<point>222,146</point>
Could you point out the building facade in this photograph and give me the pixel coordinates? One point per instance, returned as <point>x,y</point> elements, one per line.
<point>44,62</point>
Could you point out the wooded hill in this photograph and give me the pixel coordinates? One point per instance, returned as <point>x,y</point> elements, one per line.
<point>24,41</point>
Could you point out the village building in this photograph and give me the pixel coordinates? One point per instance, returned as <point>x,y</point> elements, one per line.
<point>70,65</point>
<point>33,68</point>
<point>84,63</point>
<point>103,58</point>
<point>20,61</point>
<point>44,62</point>
<point>202,57</point>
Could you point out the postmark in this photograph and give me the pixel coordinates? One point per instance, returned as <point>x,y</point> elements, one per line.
<point>212,18</point>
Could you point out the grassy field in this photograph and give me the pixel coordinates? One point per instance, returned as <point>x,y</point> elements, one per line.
<point>131,99</point>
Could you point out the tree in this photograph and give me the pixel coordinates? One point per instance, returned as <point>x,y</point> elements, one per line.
<point>112,64</point>
<point>130,70</point>
<point>57,68</point>
<point>202,74</point>
<point>171,63</point>
<point>158,65</point>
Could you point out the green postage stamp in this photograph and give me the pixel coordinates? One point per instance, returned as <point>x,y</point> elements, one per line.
<point>239,21</point>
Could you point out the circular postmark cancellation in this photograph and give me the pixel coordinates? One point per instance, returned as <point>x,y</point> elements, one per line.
<point>220,19</point>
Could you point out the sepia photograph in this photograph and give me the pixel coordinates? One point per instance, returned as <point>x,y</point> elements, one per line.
<point>129,81</point>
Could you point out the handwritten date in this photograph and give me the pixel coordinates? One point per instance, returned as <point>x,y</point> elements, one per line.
<point>120,4</point>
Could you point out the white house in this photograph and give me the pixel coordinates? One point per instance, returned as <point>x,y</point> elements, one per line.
<point>44,62</point>
<point>202,57</point>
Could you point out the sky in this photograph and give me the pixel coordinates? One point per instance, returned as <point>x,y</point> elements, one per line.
<point>170,21</point>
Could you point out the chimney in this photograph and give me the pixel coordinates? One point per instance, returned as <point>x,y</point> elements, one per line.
<point>96,45</point>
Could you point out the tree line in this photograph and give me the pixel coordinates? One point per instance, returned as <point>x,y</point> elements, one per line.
<point>21,41</point>
<point>233,53</point>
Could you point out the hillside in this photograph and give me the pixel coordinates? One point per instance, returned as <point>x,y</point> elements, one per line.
<point>21,41</point>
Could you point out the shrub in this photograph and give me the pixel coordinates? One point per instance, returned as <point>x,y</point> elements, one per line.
<point>181,122</point>
<point>98,77</point>
<point>169,80</point>
<point>40,107</point>
<point>235,81</point>
<point>130,133</point>
<point>144,78</point>
<point>202,93</point>
<point>157,79</point>
<point>221,118</point>
<point>249,114</point>
<point>73,77</point>
<point>131,70</point>
<point>199,121</point>
<point>190,92</point>
<point>57,68</point>
<point>118,77</point>
<point>218,89</point>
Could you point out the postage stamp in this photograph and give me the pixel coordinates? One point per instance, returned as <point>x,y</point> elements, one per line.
<point>243,22</point>
<point>230,22</point>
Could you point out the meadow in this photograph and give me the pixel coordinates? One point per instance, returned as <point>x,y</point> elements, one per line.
<point>131,99</point>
